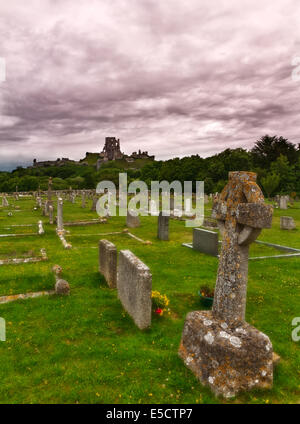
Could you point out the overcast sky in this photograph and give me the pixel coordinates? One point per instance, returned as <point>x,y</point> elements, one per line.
<point>174,77</point>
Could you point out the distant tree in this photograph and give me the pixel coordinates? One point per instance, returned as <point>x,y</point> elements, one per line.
<point>268,149</point>
<point>270,183</point>
<point>219,186</point>
<point>59,184</point>
<point>208,185</point>
<point>286,173</point>
<point>28,183</point>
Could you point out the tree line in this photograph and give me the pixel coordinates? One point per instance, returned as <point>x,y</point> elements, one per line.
<point>275,160</point>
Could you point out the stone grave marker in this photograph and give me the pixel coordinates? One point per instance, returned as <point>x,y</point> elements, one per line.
<point>134,283</point>
<point>206,241</point>
<point>108,262</point>
<point>287,223</point>
<point>226,353</point>
<point>283,202</point>
<point>132,221</point>
<point>163,227</point>
<point>60,222</point>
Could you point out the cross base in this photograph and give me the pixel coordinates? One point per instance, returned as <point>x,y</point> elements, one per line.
<point>227,359</point>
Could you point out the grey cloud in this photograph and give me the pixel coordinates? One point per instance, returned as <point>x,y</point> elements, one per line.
<point>174,77</point>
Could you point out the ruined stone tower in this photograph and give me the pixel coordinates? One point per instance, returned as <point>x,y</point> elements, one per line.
<point>111,150</point>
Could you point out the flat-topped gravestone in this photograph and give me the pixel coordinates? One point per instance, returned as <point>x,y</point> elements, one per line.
<point>60,222</point>
<point>108,262</point>
<point>206,241</point>
<point>134,285</point>
<point>132,221</point>
<point>287,223</point>
<point>226,353</point>
<point>163,227</point>
<point>283,202</point>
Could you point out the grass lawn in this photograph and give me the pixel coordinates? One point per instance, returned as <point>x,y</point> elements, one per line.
<point>84,348</point>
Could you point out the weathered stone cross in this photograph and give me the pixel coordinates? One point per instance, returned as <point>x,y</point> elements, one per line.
<point>241,214</point>
<point>225,352</point>
<point>50,189</point>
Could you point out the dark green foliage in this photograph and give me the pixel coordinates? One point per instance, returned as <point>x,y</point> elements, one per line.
<point>270,155</point>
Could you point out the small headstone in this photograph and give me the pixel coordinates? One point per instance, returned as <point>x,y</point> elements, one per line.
<point>287,223</point>
<point>283,202</point>
<point>134,285</point>
<point>132,220</point>
<point>62,287</point>
<point>163,227</point>
<point>206,241</point>
<point>108,262</point>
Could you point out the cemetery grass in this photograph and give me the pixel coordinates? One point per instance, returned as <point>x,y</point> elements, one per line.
<point>85,349</point>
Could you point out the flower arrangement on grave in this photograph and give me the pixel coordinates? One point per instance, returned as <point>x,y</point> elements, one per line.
<point>206,295</point>
<point>160,303</point>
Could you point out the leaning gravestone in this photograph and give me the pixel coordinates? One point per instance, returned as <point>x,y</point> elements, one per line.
<point>287,223</point>
<point>132,221</point>
<point>134,285</point>
<point>224,351</point>
<point>206,241</point>
<point>108,262</point>
<point>163,227</point>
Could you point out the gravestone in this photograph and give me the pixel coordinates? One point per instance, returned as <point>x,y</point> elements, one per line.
<point>206,241</point>
<point>163,227</point>
<point>283,202</point>
<point>132,221</point>
<point>134,283</point>
<point>5,201</point>
<point>94,204</point>
<point>83,199</point>
<point>39,202</point>
<point>40,228</point>
<point>60,222</point>
<point>49,194</point>
<point>62,287</point>
<point>226,353</point>
<point>108,262</point>
<point>287,223</point>
<point>50,214</point>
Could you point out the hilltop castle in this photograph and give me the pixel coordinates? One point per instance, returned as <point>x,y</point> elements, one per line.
<point>112,151</point>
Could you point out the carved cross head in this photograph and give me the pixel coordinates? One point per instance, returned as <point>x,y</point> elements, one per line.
<point>241,208</point>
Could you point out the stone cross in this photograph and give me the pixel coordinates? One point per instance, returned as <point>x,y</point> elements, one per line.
<point>50,189</point>
<point>241,214</point>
